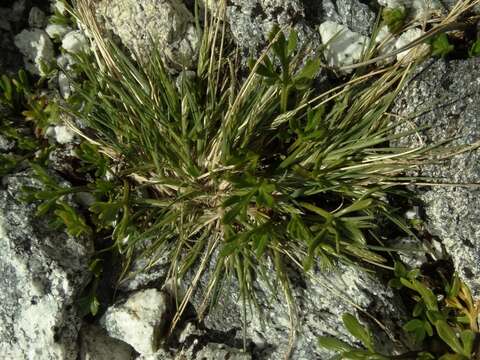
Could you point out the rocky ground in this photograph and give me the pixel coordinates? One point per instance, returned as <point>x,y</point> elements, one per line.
<point>45,271</point>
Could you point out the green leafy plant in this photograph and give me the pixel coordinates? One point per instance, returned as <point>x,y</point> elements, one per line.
<point>89,303</point>
<point>285,51</point>
<point>8,163</point>
<point>441,46</point>
<point>12,90</point>
<point>13,98</point>
<point>52,196</point>
<point>475,48</point>
<point>455,319</point>
<point>444,324</point>
<point>394,18</point>
<point>27,100</point>
<point>347,351</point>
<point>91,160</point>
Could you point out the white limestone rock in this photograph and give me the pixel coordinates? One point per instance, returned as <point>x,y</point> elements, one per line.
<point>63,135</point>
<point>385,42</point>
<point>95,344</point>
<point>75,41</point>
<point>139,321</point>
<point>59,6</point>
<point>36,47</point>
<point>64,85</point>
<point>406,38</point>
<point>65,61</point>
<point>57,31</point>
<point>168,22</point>
<point>344,47</point>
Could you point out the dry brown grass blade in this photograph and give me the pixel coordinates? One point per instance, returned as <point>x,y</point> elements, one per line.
<point>85,14</point>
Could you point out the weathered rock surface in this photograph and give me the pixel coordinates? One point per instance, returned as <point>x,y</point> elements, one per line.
<point>168,22</point>
<point>321,301</point>
<point>251,21</point>
<point>219,351</point>
<point>5,144</point>
<point>354,14</point>
<point>36,18</point>
<point>139,321</point>
<point>43,272</point>
<point>447,97</point>
<point>142,275</point>
<point>95,344</point>
<point>210,351</point>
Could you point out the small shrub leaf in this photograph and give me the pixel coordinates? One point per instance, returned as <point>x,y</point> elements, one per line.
<point>357,330</point>
<point>333,344</point>
<point>447,334</point>
<point>468,339</point>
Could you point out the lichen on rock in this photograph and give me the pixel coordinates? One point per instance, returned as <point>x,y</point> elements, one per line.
<point>168,23</point>
<point>446,94</point>
<point>43,273</point>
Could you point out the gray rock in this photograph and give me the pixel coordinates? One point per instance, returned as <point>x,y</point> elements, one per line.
<point>43,272</point>
<point>15,12</point>
<point>321,301</point>
<point>159,355</point>
<point>251,21</point>
<point>139,321</point>
<point>419,9</point>
<point>95,344</point>
<point>6,144</point>
<point>354,14</point>
<point>197,351</point>
<point>36,47</point>
<point>168,22</point>
<point>214,351</point>
<point>143,272</point>
<point>449,4</point>
<point>197,346</point>
<point>36,18</point>
<point>447,97</point>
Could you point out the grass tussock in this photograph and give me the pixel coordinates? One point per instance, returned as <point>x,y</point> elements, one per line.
<point>240,170</point>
